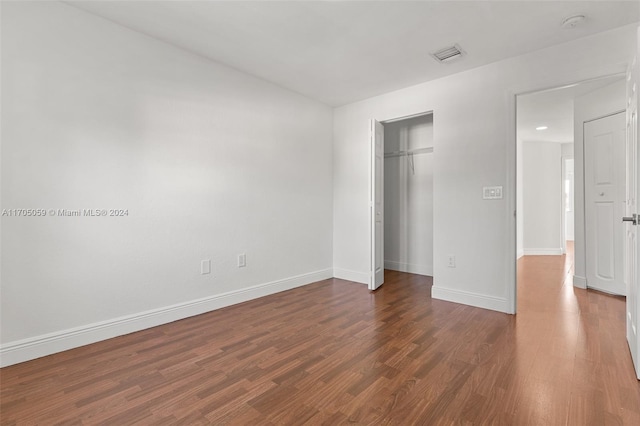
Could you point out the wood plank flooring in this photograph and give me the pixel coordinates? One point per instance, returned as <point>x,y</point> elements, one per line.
<point>334,353</point>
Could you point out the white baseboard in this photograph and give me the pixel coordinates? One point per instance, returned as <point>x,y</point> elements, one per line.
<point>355,276</point>
<point>472,299</point>
<point>580,282</point>
<point>39,346</point>
<point>520,253</point>
<point>542,251</point>
<point>409,267</point>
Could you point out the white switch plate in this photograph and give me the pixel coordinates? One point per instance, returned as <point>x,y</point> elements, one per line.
<point>492,193</point>
<point>205,267</point>
<point>242,260</point>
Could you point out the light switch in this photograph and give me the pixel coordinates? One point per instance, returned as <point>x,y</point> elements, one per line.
<point>492,193</point>
<point>205,267</point>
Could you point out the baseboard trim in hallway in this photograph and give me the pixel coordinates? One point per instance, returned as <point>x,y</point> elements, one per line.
<point>471,299</point>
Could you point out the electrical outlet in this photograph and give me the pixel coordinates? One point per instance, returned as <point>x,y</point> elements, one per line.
<point>205,267</point>
<point>242,260</point>
<point>451,262</point>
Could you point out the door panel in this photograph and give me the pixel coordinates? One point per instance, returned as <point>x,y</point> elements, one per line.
<point>603,159</point>
<point>377,205</point>
<point>605,252</point>
<point>631,231</point>
<point>604,144</point>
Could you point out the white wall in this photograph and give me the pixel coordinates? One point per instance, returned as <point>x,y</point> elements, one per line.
<point>596,104</point>
<point>408,197</point>
<point>474,146</point>
<point>540,198</point>
<point>542,203</point>
<point>567,149</point>
<point>208,161</point>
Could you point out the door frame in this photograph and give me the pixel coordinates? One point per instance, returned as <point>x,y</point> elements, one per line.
<point>372,188</point>
<point>563,212</point>
<point>511,178</point>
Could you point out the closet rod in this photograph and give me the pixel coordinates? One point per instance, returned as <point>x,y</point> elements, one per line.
<point>411,151</point>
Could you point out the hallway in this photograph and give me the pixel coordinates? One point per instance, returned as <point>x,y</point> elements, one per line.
<point>573,358</point>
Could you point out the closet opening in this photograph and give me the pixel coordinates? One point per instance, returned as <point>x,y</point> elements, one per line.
<point>408,194</point>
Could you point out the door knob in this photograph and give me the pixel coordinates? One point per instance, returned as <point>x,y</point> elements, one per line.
<point>633,219</point>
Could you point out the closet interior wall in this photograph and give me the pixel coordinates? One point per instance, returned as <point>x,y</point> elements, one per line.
<point>408,195</point>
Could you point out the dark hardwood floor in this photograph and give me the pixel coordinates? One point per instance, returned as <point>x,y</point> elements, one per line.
<point>335,353</point>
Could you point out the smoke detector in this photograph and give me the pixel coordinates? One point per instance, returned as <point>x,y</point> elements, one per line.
<point>448,54</point>
<point>573,22</point>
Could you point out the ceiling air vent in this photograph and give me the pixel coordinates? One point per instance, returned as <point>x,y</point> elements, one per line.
<point>448,54</point>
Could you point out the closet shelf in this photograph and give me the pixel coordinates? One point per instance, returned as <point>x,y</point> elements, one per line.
<point>409,152</point>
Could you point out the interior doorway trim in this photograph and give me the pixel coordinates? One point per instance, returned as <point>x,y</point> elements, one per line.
<point>372,180</point>
<point>563,207</point>
<point>603,116</point>
<point>406,117</point>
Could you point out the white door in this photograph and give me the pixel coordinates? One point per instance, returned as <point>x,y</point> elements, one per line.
<point>377,205</point>
<point>604,171</point>
<point>631,233</point>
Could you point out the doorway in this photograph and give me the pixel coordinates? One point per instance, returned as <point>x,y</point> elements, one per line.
<point>545,143</point>
<point>550,212</point>
<point>402,196</point>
